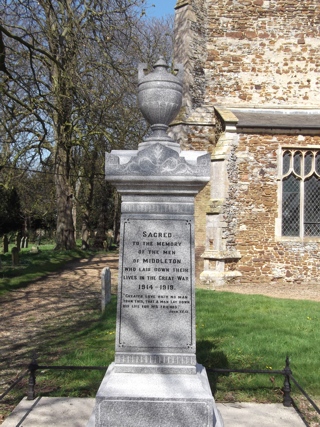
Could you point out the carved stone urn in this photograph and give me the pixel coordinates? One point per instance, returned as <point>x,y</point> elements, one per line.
<point>159,99</point>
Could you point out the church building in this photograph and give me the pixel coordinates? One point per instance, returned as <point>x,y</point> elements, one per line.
<point>252,99</point>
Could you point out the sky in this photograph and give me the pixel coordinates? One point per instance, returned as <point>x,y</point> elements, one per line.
<point>161,8</point>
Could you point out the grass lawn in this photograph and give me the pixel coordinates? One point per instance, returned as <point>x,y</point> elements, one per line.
<point>233,331</point>
<point>33,266</point>
<point>257,332</point>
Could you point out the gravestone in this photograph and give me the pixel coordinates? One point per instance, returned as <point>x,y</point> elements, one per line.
<point>26,242</point>
<point>34,250</point>
<point>15,256</point>
<point>5,242</point>
<point>22,242</point>
<point>155,380</point>
<point>18,240</point>
<point>109,239</point>
<point>105,287</point>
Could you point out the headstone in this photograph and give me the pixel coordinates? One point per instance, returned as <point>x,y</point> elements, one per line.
<point>85,237</point>
<point>109,239</point>
<point>155,379</point>
<point>5,241</point>
<point>105,287</point>
<point>15,256</point>
<point>26,242</point>
<point>22,242</point>
<point>34,250</point>
<point>38,238</point>
<point>18,240</point>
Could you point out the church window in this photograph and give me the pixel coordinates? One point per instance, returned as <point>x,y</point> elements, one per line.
<point>301,193</point>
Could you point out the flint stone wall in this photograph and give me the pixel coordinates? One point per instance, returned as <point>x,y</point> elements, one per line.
<point>263,52</point>
<point>251,214</point>
<point>245,52</point>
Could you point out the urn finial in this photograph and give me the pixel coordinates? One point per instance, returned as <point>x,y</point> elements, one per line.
<point>160,99</point>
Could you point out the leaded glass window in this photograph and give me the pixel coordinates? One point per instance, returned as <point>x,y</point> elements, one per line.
<point>301,193</point>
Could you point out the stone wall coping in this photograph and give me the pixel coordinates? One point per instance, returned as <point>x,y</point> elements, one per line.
<point>221,254</point>
<point>229,119</point>
<point>289,119</point>
<point>226,115</point>
<point>270,120</point>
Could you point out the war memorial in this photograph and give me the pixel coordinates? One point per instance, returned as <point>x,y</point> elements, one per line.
<point>155,379</point>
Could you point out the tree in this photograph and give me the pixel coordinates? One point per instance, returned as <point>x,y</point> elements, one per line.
<point>40,211</point>
<point>149,40</point>
<point>53,56</point>
<point>68,73</point>
<point>155,38</point>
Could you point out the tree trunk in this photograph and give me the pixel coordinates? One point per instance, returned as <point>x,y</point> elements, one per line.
<point>85,230</point>
<point>75,206</point>
<point>100,233</point>
<point>65,228</point>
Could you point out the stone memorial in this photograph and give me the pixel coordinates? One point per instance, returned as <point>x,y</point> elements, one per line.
<point>18,240</point>
<point>155,379</point>
<point>15,256</point>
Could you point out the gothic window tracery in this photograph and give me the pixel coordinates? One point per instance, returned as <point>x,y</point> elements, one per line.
<point>301,193</point>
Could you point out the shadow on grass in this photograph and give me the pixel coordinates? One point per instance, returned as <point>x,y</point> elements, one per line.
<point>209,355</point>
<point>92,346</point>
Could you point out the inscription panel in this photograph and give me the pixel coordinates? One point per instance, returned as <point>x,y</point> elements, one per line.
<point>155,300</point>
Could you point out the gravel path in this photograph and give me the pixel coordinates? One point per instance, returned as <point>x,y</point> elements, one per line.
<point>30,315</point>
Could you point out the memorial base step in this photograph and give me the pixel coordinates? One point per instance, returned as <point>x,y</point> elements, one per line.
<point>155,400</point>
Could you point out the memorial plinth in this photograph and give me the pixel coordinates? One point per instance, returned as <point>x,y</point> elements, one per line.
<point>156,305</point>
<point>155,380</point>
